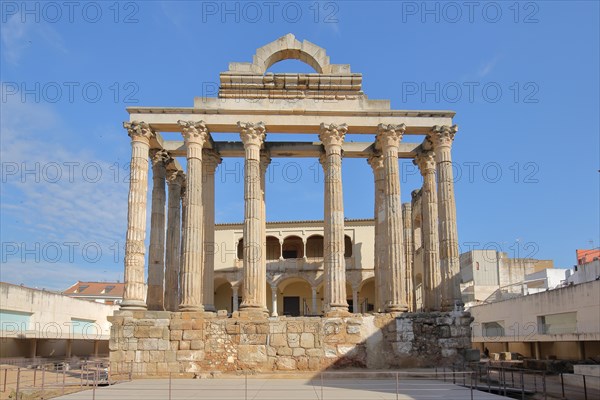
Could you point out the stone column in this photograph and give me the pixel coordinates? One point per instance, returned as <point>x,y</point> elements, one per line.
<point>408,253</point>
<point>432,279</point>
<point>314,301</point>
<point>381,280</point>
<point>156,252</point>
<point>442,138</point>
<point>183,224</point>
<point>274,301</point>
<point>195,135</point>
<point>210,161</point>
<point>265,160</point>
<point>254,297</point>
<point>173,252</point>
<point>234,298</point>
<point>388,140</point>
<point>135,249</point>
<point>332,137</point>
<point>355,305</point>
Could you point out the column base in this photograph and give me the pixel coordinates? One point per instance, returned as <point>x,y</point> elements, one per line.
<point>396,308</point>
<point>209,308</point>
<point>251,313</point>
<point>190,308</point>
<point>335,312</point>
<point>133,305</point>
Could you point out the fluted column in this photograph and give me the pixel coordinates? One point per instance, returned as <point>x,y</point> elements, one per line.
<point>432,291</point>
<point>265,160</point>
<point>314,301</point>
<point>210,162</point>
<point>332,137</point>
<point>174,180</point>
<point>182,230</point>
<point>388,141</point>
<point>156,252</point>
<point>135,249</point>
<point>194,135</point>
<point>380,267</point>
<point>255,274</point>
<point>408,253</point>
<point>442,138</point>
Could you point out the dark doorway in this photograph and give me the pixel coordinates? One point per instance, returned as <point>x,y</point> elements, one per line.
<point>291,306</point>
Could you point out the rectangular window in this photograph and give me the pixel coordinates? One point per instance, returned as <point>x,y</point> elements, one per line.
<point>554,324</point>
<point>84,327</point>
<point>14,321</point>
<point>493,329</point>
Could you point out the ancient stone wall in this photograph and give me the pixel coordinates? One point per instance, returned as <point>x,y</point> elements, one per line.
<point>159,342</point>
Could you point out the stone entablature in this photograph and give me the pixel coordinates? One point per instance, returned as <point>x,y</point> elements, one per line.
<point>162,342</point>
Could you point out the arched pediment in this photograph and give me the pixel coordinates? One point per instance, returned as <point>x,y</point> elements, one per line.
<point>289,48</point>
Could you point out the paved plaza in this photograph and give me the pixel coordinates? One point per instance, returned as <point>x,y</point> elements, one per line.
<point>279,389</point>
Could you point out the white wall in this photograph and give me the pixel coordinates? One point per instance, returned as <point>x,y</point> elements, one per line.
<point>46,315</point>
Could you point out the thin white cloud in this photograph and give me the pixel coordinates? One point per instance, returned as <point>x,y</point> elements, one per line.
<point>488,67</point>
<point>17,37</point>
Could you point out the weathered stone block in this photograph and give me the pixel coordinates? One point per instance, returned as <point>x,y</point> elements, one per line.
<point>284,351</point>
<point>190,355</point>
<point>286,364</point>
<point>148,344</point>
<point>278,339</point>
<point>298,351</point>
<point>192,334</point>
<point>307,340</point>
<point>249,353</point>
<point>293,339</point>
<point>197,345</point>
<point>176,334</point>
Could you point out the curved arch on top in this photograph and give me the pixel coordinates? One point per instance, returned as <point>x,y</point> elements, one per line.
<point>365,282</point>
<point>288,47</point>
<point>286,280</point>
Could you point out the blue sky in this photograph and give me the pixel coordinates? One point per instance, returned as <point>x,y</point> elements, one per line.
<point>522,78</point>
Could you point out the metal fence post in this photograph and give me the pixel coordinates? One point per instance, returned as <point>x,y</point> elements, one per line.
<point>471,386</point>
<point>18,381</point>
<point>321,386</point>
<point>43,378</point>
<point>34,376</point>
<point>488,380</point>
<point>64,376</point>
<point>544,383</point>
<point>5,377</point>
<point>246,386</point>
<point>584,388</point>
<point>522,386</point>
<point>397,386</point>
<point>169,385</point>
<point>562,385</point>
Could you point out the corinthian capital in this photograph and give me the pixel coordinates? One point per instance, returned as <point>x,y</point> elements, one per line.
<point>175,178</point>
<point>252,133</point>
<point>211,160</point>
<point>160,157</point>
<point>425,161</point>
<point>375,160</point>
<point>194,131</point>
<point>138,130</point>
<point>442,135</point>
<point>333,134</point>
<point>389,135</point>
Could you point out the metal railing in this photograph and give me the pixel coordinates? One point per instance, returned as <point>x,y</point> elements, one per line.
<point>522,383</point>
<point>44,380</point>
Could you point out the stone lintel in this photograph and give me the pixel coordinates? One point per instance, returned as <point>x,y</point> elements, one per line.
<point>293,149</point>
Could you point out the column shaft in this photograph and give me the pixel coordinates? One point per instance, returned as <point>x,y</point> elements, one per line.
<point>194,134</point>
<point>135,249</point>
<point>210,162</point>
<point>432,280</point>
<point>274,313</point>
<point>314,310</point>
<point>173,251</point>
<point>234,298</point>
<point>380,248</point>
<point>254,294</point>
<point>156,252</point>
<point>408,254</point>
<point>388,138</point>
<point>182,230</point>
<point>332,137</point>
<point>442,138</point>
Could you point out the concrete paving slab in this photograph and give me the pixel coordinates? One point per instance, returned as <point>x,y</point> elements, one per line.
<point>282,389</point>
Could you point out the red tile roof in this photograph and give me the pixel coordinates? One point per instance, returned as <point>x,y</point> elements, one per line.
<point>96,289</point>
